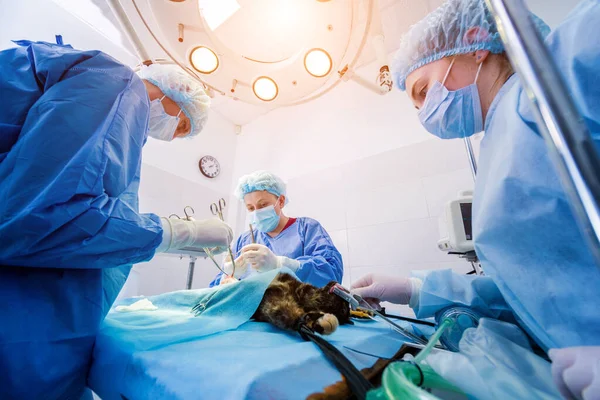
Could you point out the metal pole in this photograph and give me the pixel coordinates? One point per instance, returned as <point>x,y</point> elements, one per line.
<point>558,119</point>
<point>471,155</point>
<point>127,27</point>
<point>190,276</point>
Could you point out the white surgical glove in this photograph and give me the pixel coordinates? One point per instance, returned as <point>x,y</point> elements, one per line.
<point>375,288</point>
<point>180,235</point>
<point>576,372</point>
<point>241,266</point>
<point>262,259</point>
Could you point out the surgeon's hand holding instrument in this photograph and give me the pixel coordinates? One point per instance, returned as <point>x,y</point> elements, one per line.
<point>240,266</point>
<point>356,301</point>
<point>398,290</point>
<point>263,259</point>
<point>203,238</point>
<point>188,236</point>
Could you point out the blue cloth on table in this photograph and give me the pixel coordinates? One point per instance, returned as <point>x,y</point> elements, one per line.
<point>306,241</point>
<point>169,354</point>
<point>226,307</point>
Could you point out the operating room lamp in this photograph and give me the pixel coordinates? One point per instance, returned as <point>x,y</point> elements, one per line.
<point>266,52</point>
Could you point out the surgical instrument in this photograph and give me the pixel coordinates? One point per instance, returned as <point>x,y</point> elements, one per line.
<point>252,234</point>
<point>356,301</point>
<point>217,209</point>
<point>188,211</point>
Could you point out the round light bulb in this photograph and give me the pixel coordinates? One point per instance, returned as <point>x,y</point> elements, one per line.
<point>318,63</point>
<point>265,88</point>
<point>204,60</point>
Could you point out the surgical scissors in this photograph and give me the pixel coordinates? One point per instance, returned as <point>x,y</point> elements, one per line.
<point>218,208</point>
<point>188,217</point>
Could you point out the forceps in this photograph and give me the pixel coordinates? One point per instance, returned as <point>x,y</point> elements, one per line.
<point>218,208</point>
<point>356,301</point>
<point>188,211</point>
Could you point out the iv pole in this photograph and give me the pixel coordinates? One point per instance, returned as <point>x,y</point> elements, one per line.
<point>471,155</point>
<point>568,139</point>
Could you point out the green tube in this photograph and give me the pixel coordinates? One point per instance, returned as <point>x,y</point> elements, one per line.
<point>433,340</point>
<point>401,380</point>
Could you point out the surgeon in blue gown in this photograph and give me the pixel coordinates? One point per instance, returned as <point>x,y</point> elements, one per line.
<point>538,269</point>
<point>300,244</point>
<point>72,127</point>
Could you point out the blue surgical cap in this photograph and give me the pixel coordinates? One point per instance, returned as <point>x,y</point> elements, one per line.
<point>443,33</point>
<point>180,87</point>
<point>260,180</point>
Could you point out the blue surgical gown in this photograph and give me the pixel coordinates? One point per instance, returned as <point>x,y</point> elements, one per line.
<point>537,262</point>
<point>72,126</point>
<point>306,241</point>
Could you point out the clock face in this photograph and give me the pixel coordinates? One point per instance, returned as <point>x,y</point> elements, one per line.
<point>209,166</point>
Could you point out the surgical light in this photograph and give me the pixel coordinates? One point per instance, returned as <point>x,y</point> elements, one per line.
<point>265,88</point>
<point>317,62</point>
<point>204,60</point>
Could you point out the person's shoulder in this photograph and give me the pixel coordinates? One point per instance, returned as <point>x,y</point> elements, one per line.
<point>308,222</point>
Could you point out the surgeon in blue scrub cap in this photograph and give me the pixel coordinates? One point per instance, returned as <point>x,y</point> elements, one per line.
<point>72,127</point>
<point>300,244</point>
<point>538,269</point>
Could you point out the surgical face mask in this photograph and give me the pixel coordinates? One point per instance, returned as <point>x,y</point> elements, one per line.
<point>161,125</point>
<point>266,219</point>
<point>452,114</point>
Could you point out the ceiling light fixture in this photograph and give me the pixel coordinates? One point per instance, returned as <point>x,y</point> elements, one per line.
<point>204,60</point>
<point>318,63</point>
<point>265,88</point>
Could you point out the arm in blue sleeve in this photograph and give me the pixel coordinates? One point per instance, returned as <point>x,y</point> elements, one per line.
<point>215,282</point>
<point>68,185</point>
<point>445,288</point>
<point>578,61</point>
<point>321,262</point>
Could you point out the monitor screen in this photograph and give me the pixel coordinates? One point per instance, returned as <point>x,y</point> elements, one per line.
<point>465,211</point>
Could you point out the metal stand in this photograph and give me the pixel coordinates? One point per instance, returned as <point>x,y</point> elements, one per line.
<point>558,119</point>
<point>190,276</point>
<point>471,155</point>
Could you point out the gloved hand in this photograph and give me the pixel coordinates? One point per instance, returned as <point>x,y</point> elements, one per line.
<point>180,234</point>
<point>241,266</point>
<point>226,280</point>
<point>576,372</point>
<point>375,288</point>
<point>263,259</point>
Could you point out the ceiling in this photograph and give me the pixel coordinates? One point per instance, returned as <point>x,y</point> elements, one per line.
<point>396,17</point>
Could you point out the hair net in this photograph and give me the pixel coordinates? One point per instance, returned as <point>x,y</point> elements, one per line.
<point>443,33</point>
<point>260,180</point>
<point>180,87</point>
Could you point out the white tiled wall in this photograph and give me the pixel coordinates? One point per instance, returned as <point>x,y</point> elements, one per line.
<point>385,212</point>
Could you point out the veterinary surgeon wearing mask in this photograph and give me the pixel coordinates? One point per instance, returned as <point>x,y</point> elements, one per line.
<point>300,244</point>
<point>72,127</point>
<point>538,269</point>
